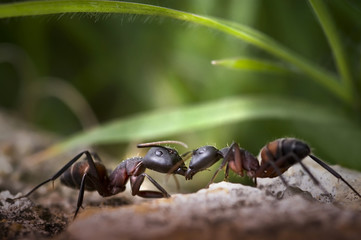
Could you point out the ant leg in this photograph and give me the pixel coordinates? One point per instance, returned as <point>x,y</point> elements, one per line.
<point>53,178</point>
<point>226,174</point>
<point>92,174</point>
<point>333,172</point>
<point>175,167</point>
<point>185,156</point>
<point>281,160</point>
<point>164,192</point>
<point>217,171</point>
<point>233,150</point>
<point>278,171</point>
<point>176,182</point>
<point>96,156</point>
<point>273,164</point>
<point>311,175</point>
<point>136,182</point>
<point>158,143</point>
<point>81,195</point>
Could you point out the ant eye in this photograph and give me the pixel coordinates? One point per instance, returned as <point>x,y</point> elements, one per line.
<point>200,151</point>
<point>158,153</point>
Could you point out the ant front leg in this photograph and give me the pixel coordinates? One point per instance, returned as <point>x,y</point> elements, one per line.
<point>234,160</point>
<point>224,162</point>
<point>136,182</point>
<point>231,157</point>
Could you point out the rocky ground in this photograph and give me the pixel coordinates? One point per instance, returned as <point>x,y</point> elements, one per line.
<point>225,210</point>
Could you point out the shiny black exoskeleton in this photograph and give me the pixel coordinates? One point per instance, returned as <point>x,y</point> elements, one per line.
<point>238,159</point>
<point>91,175</point>
<point>275,158</point>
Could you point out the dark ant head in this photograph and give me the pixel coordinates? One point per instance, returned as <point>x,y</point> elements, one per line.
<point>202,158</point>
<point>164,160</point>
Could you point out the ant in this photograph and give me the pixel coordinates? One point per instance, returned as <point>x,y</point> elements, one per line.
<point>92,175</point>
<point>275,158</point>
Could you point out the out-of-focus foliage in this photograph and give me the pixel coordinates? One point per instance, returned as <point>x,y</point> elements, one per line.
<point>60,71</point>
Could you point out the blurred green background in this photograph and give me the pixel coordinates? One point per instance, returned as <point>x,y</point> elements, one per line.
<point>65,73</point>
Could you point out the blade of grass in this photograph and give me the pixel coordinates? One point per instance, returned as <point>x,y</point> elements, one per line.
<point>252,64</point>
<point>324,78</point>
<point>161,123</point>
<point>328,26</point>
<point>29,8</point>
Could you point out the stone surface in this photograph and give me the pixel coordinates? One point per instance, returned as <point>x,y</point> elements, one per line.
<point>340,193</point>
<point>234,211</point>
<point>225,210</point>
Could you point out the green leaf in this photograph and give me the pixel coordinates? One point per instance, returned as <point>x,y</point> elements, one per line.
<point>333,38</point>
<point>252,64</point>
<point>247,34</point>
<point>162,123</point>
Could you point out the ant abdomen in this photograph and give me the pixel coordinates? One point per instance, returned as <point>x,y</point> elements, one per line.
<point>72,177</point>
<point>284,153</point>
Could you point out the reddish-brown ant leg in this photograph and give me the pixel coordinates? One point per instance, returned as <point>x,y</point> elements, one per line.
<point>273,164</point>
<point>224,162</point>
<point>136,182</point>
<point>236,160</point>
<point>234,152</point>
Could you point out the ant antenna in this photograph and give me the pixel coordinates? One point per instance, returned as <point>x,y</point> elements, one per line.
<point>156,144</point>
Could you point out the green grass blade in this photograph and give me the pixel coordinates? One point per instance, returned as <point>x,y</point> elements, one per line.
<point>162,123</point>
<point>252,64</point>
<point>247,34</point>
<point>324,78</point>
<point>334,40</point>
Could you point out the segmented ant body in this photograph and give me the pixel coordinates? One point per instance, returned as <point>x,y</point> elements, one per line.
<point>275,158</point>
<point>91,175</point>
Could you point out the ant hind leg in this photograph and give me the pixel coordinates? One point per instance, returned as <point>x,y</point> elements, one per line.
<point>81,195</point>
<point>56,175</point>
<point>334,173</point>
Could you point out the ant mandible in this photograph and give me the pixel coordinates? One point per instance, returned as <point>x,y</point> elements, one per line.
<point>275,158</point>
<point>92,175</point>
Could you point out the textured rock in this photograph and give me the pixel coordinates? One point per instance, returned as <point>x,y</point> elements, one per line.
<point>340,193</point>
<point>233,211</point>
